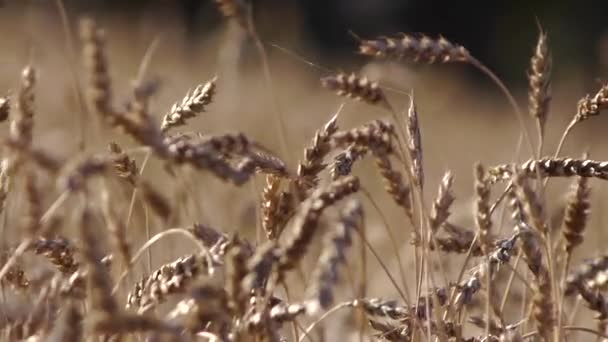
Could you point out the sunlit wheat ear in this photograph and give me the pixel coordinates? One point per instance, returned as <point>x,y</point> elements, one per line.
<point>539,76</point>
<point>483,217</point>
<point>356,87</point>
<point>552,167</point>
<point>576,214</point>
<point>22,125</point>
<point>377,135</point>
<point>591,272</point>
<point>307,223</point>
<point>590,106</point>
<point>333,256</point>
<point>420,48</point>
<point>124,165</point>
<point>313,163</point>
<point>441,207</point>
<point>194,103</point>
<point>99,91</point>
<point>414,143</point>
<point>236,271</point>
<point>270,322</point>
<point>394,183</point>
<point>169,279</point>
<point>99,283</point>
<point>59,251</point>
<point>459,240</point>
<point>596,301</point>
<point>276,207</point>
<point>532,204</point>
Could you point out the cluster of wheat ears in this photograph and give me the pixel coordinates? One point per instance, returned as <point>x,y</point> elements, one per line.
<point>232,289</point>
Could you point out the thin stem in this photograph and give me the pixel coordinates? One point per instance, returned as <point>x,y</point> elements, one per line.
<point>158,237</point>
<point>281,126</point>
<point>518,113</point>
<point>563,138</point>
<point>69,46</point>
<point>507,290</point>
<point>393,241</point>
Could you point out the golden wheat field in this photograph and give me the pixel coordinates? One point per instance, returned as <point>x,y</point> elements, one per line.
<point>155,187</point>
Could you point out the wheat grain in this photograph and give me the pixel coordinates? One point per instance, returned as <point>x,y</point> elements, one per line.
<point>194,103</point>
<point>421,48</point>
<point>552,167</point>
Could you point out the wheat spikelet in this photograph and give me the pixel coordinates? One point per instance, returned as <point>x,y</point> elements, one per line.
<point>394,183</point>
<point>236,271</point>
<point>125,167</point>
<point>358,88</point>
<point>421,48</point>
<point>552,167</point>
<point>576,214</point>
<point>595,300</point>
<point>99,284</point>
<point>169,279</point>
<point>191,105</point>
<point>376,135</point>
<point>260,265</point>
<point>483,217</point>
<point>414,143</point>
<point>532,205</point>
<point>205,309</point>
<point>441,207</point>
<point>499,256</point>
<point>586,273</point>
<point>543,305</point>
<point>313,163</point>
<point>99,91</point>
<point>59,251</point>
<point>334,253</point>
<point>31,221</point>
<point>539,76</point>
<point>277,315</point>
<point>271,198</point>
<point>16,278</point>
<point>591,106</point>
<point>205,155</point>
<point>308,222</point>
<point>22,125</point>
<point>460,241</point>
<point>529,237</point>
